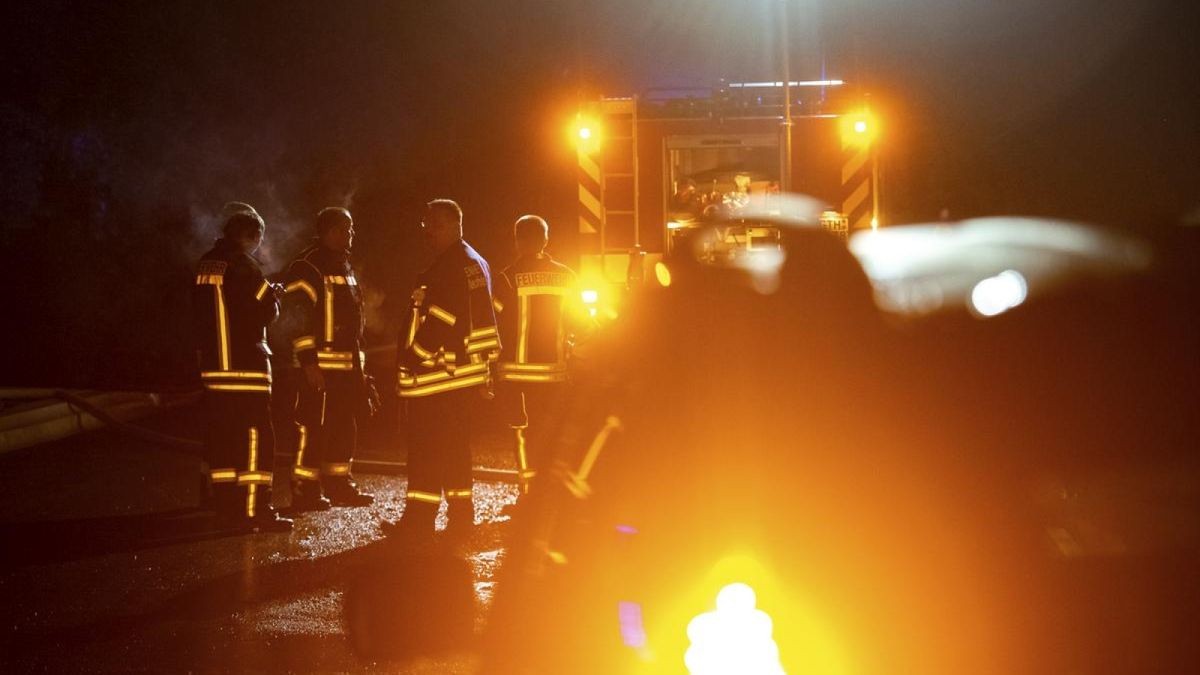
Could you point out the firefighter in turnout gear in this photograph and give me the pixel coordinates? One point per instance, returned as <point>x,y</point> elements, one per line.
<point>538,304</point>
<point>444,360</point>
<point>333,391</point>
<point>233,305</point>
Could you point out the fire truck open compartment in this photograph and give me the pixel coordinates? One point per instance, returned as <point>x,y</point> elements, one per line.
<point>640,155</point>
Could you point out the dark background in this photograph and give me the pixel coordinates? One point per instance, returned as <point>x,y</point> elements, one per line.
<point>125,126</point>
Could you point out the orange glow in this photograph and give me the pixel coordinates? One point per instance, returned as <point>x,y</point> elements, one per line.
<point>662,273</point>
<point>859,128</point>
<point>584,133</point>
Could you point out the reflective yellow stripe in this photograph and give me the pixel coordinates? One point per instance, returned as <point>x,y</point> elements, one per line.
<point>262,290</point>
<point>222,326</point>
<point>223,475</point>
<point>254,478</point>
<point>560,339</point>
<point>266,388</point>
<point>522,459</point>
<point>533,377</point>
<point>497,305</point>
<point>439,313</point>
<point>334,365</point>
<point>523,330</point>
<point>302,343</point>
<point>532,367</point>
<point>458,383</point>
<point>413,323</point>
<point>210,279</point>
<point>302,285</point>
<point>458,494</point>
<point>479,333</point>
<point>576,481</point>
<point>328,311</point>
<point>422,352</point>
<point>483,346</point>
<point>251,468</point>
<point>427,497</point>
<point>541,290</point>
<point>339,280</point>
<point>325,355</point>
<point>441,376</point>
<point>335,468</point>
<point>235,375</point>
<point>303,444</point>
<point>306,473</point>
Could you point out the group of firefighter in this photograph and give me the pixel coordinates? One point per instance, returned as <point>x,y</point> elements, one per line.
<point>468,336</point>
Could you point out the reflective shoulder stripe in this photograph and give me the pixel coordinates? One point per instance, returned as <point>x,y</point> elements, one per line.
<point>262,289</point>
<point>210,279</point>
<point>302,285</point>
<point>339,280</point>
<point>442,314</point>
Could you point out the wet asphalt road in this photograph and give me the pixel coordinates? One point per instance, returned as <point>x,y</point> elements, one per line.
<point>106,569</point>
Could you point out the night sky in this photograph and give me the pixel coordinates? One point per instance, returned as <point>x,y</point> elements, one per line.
<point>125,126</point>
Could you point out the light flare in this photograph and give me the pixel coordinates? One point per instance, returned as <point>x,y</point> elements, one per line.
<point>735,638</point>
<point>995,295</point>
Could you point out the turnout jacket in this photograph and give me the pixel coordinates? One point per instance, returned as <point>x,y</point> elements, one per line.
<point>451,336</point>
<point>323,284</point>
<point>536,300</point>
<point>232,305</point>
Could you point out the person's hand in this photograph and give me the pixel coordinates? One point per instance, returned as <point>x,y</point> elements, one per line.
<point>314,377</point>
<point>279,290</point>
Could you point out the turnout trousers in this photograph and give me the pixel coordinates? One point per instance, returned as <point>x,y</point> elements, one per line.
<point>437,430</point>
<point>327,426</point>
<point>533,411</point>
<point>241,449</point>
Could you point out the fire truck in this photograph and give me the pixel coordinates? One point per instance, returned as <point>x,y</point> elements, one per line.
<point>656,168</point>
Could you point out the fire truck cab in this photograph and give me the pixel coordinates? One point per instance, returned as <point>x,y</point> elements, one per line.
<point>656,170</point>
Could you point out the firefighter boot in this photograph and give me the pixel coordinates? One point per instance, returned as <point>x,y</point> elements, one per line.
<point>230,505</point>
<point>306,496</point>
<point>267,519</point>
<point>342,491</point>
